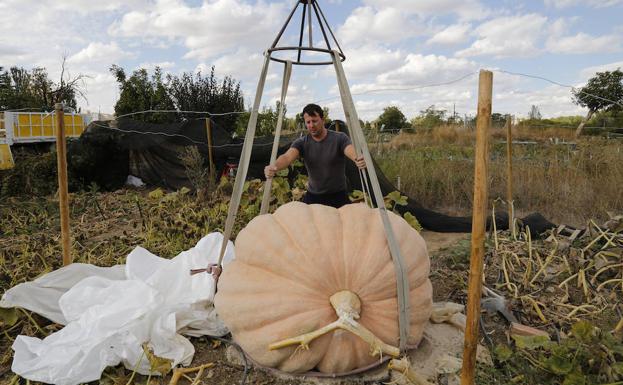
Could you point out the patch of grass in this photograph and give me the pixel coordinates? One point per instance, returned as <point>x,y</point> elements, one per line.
<point>566,183</point>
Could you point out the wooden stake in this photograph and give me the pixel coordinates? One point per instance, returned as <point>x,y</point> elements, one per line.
<point>483,122</point>
<point>210,154</point>
<point>63,194</point>
<point>509,176</point>
<point>337,126</point>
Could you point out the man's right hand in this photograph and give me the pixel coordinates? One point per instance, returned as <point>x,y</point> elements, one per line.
<point>270,171</point>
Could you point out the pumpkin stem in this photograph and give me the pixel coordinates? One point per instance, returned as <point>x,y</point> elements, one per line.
<point>348,308</point>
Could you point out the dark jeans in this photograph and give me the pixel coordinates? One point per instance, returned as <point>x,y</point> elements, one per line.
<point>337,199</point>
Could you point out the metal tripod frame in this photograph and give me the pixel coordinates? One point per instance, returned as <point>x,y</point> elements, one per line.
<point>357,137</point>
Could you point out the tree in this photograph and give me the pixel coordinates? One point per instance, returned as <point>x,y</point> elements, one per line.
<point>195,92</point>
<point>430,117</point>
<point>20,88</point>
<point>140,93</point>
<point>266,121</point>
<point>603,92</point>
<point>186,92</point>
<point>535,113</point>
<point>392,118</point>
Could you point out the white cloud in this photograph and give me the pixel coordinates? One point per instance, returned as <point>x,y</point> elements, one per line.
<point>591,3</point>
<point>99,52</point>
<point>589,72</point>
<point>465,9</point>
<point>369,25</point>
<point>583,43</point>
<point>371,60</point>
<point>102,92</point>
<point>208,30</point>
<point>421,69</point>
<point>451,35</point>
<point>150,66</point>
<point>241,64</point>
<point>425,75</point>
<point>82,6</point>
<point>512,36</point>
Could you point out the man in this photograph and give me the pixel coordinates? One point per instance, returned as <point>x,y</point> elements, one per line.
<point>324,153</point>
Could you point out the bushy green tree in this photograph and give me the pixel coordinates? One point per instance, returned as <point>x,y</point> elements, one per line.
<point>21,88</point>
<point>196,92</point>
<point>139,92</point>
<point>266,121</point>
<point>392,119</point>
<point>185,92</point>
<point>603,92</point>
<point>430,117</point>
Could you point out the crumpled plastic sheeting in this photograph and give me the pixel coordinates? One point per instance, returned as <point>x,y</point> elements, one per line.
<point>110,312</point>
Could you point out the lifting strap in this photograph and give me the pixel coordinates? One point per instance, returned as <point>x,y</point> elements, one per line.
<point>245,157</point>
<point>361,147</point>
<point>287,71</point>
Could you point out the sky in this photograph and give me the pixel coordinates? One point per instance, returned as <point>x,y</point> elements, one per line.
<point>407,53</point>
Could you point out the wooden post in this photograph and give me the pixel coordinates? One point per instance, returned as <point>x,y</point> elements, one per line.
<point>210,153</point>
<point>337,126</point>
<point>483,122</point>
<point>63,195</point>
<point>509,176</point>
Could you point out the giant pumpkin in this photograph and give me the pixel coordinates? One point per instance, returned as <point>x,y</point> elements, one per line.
<point>313,287</point>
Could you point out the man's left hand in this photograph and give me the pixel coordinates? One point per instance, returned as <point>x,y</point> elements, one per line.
<point>360,162</point>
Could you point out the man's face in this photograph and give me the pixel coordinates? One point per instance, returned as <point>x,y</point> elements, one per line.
<point>314,124</point>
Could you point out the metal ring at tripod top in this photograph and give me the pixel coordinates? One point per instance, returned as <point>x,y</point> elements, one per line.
<point>309,63</point>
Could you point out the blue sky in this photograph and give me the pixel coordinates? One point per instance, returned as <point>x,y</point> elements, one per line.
<point>388,44</point>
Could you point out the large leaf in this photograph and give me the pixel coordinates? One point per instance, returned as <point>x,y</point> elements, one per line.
<point>412,220</point>
<point>575,378</point>
<point>502,353</point>
<point>157,364</point>
<point>559,365</point>
<point>532,342</point>
<point>583,331</point>
<point>8,316</point>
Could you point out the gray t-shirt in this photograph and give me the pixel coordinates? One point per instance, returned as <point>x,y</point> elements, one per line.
<point>325,161</point>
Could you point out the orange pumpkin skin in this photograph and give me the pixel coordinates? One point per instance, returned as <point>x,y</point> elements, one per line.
<point>289,263</point>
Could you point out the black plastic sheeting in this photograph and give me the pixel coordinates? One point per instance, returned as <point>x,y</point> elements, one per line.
<point>108,151</point>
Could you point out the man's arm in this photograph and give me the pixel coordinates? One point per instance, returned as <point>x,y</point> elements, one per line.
<point>350,152</point>
<point>282,162</point>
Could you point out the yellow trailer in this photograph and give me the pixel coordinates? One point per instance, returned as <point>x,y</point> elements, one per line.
<point>33,127</point>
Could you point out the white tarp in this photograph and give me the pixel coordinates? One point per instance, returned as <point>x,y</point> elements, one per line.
<point>110,312</point>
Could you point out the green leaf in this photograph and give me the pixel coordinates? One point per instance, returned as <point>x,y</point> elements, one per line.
<point>502,352</point>
<point>183,191</point>
<point>356,196</point>
<point>394,196</point>
<point>156,194</point>
<point>583,330</point>
<point>283,172</point>
<point>559,365</point>
<point>531,342</point>
<point>618,368</point>
<point>8,316</point>
<point>575,378</point>
<point>412,221</point>
<point>157,364</point>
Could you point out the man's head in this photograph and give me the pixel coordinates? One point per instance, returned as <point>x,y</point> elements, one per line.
<point>314,120</point>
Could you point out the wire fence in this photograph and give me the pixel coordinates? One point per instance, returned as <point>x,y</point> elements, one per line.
<point>468,120</point>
